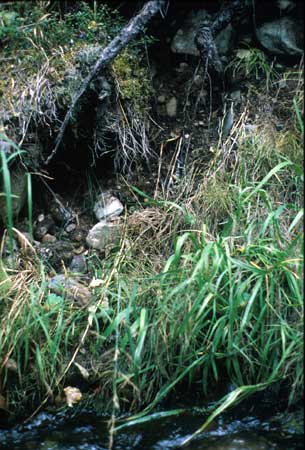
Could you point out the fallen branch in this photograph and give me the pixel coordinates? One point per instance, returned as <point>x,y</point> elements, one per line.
<point>130,31</point>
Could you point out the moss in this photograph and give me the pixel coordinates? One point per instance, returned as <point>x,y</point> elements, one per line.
<point>133,80</point>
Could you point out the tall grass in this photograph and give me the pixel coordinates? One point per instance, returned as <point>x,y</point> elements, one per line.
<point>224,307</point>
<point>8,213</point>
<point>8,200</point>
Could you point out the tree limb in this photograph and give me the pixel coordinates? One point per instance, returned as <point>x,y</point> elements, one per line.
<point>133,27</point>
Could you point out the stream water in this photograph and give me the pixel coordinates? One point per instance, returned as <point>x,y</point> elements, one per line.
<point>88,432</point>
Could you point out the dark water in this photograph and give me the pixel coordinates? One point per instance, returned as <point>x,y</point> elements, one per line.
<point>88,432</point>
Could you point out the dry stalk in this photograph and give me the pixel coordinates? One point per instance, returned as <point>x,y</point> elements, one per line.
<point>133,143</point>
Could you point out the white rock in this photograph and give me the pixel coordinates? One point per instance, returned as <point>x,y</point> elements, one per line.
<point>107,206</point>
<point>103,235</point>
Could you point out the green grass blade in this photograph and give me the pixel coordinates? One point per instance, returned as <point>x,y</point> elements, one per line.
<point>8,200</point>
<point>298,114</point>
<point>229,400</point>
<point>150,418</point>
<point>30,205</point>
<point>272,172</point>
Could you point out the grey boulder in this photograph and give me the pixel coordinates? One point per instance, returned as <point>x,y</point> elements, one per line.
<point>282,37</point>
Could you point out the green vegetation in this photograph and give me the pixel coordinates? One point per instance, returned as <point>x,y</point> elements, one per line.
<point>134,83</point>
<point>38,83</point>
<point>8,208</point>
<point>205,288</point>
<point>225,306</point>
<point>8,199</point>
<point>43,34</point>
<point>253,62</point>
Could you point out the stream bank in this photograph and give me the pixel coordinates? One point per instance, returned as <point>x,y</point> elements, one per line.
<point>192,275</point>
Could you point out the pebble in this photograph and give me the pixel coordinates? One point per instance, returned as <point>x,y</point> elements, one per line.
<point>40,232</point>
<point>107,206</point>
<point>79,250</point>
<point>71,288</point>
<point>198,80</point>
<point>70,227</point>
<point>78,264</point>
<point>103,235</point>
<point>78,235</point>
<point>161,98</point>
<point>49,238</point>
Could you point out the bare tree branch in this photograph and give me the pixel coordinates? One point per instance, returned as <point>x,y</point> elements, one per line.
<point>133,27</point>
